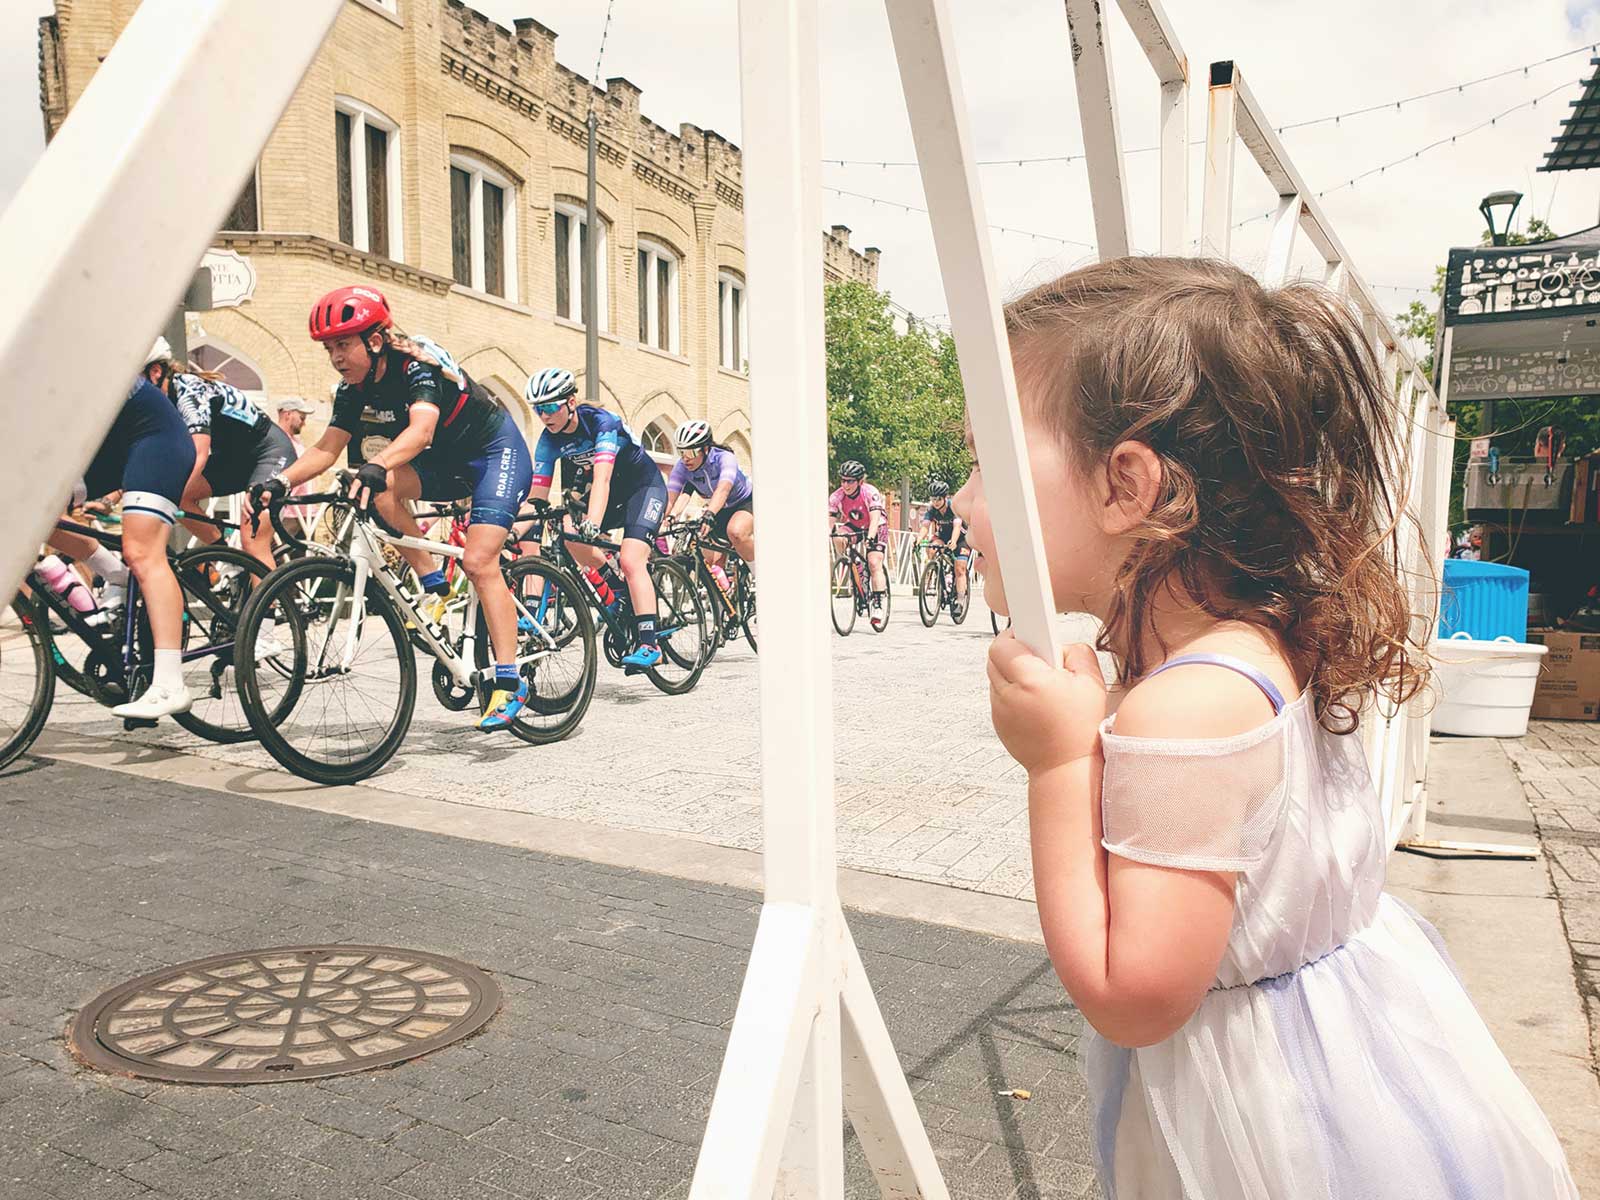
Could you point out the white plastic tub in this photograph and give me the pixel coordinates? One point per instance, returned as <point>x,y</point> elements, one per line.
<point>1485,688</point>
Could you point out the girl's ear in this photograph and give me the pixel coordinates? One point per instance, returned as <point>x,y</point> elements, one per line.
<point>1130,487</point>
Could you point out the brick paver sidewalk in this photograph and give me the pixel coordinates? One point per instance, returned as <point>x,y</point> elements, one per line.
<point>593,1081</point>
<point>1559,762</point>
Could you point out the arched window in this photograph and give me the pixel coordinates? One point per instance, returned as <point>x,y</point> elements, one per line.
<point>740,445</point>
<point>732,338</point>
<point>658,439</point>
<point>658,296</point>
<point>225,361</point>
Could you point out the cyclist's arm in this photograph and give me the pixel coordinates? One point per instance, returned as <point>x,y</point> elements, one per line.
<point>416,437</point>
<point>317,459</point>
<point>719,497</point>
<point>676,503</point>
<point>956,530</point>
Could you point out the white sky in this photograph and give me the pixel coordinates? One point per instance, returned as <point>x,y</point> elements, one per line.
<point>1302,61</point>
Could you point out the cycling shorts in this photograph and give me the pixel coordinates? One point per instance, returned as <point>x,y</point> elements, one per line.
<point>719,523</point>
<point>233,474</point>
<point>639,513</point>
<point>497,477</point>
<point>149,461</point>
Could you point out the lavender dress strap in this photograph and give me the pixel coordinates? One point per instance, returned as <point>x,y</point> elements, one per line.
<point>1268,688</point>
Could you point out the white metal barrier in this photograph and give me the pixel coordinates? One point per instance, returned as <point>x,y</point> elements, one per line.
<point>102,230</point>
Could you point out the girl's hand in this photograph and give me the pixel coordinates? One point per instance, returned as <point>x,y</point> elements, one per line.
<point>1045,718</point>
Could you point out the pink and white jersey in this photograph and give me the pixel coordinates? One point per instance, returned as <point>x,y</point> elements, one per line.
<point>856,511</point>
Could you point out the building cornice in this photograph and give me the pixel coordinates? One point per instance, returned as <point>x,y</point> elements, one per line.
<point>309,245</point>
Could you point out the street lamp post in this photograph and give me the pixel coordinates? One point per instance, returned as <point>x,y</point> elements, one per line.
<point>1504,206</point>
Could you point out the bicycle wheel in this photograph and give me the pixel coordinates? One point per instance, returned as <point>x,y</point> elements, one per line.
<point>880,621</point>
<point>961,605</point>
<point>560,674</point>
<point>747,606</point>
<point>27,678</point>
<point>842,598</point>
<point>216,582</point>
<point>335,706</point>
<point>681,626</point>
<point>930,594</point>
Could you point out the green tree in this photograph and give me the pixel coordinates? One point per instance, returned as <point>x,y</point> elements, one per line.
<point>895,401</point>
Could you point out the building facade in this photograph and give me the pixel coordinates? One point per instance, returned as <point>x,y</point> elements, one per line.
<point>441,158</point>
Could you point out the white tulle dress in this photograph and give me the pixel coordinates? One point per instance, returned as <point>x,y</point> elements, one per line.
<point>1337,1055</point>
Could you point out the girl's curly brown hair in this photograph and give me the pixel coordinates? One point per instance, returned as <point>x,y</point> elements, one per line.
<point>1282,499</point>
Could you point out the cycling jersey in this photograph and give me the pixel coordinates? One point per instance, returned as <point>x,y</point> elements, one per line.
<point>600,437</point>
<point>856,511</point>
<point>147,454</point>
<point>375,414</point>
<point>944,523</point>
<point>246,448</point>
<point>719,467</point>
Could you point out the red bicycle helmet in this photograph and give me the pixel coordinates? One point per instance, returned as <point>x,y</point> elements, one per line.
<point>349,310</point>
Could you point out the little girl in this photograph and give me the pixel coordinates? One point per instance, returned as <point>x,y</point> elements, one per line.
<point>1211,459</point>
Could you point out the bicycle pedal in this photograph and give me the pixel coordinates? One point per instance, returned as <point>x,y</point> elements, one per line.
<point>129,724</point>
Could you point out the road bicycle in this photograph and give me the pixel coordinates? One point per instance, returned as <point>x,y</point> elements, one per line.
<point>681,622</point>
<point>850,589</point>
<point>730,601</point>
<point>108,654</point>
<point>936,590</point>
<point>337,705</point>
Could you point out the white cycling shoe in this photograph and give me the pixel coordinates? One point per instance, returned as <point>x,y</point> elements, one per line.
<point>156,702</point>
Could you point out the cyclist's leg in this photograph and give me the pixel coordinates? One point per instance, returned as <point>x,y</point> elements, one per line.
<point>500,479</point>
<point>961,552</point>
<point>641,517</point>
<point>195,495</point>
<point>875,560</point>
<point>407,483</point>
<point>274,456</point>
<point>740,529</point>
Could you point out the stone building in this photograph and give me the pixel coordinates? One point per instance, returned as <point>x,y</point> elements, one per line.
<point>441,157</point>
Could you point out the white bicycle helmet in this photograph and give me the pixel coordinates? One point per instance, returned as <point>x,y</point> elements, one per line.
<point>550,384</point>
<point>692,435</point>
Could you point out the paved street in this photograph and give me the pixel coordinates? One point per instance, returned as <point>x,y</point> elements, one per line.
<point>593,1081</point>
<point>924,788</point>
<point>1559,762</point>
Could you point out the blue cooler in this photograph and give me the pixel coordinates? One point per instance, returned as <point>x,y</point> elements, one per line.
<point>1484,601</point>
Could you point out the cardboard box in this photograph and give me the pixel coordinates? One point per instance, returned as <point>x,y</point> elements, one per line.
<point>1585,507</point>
<point>1569,677</point>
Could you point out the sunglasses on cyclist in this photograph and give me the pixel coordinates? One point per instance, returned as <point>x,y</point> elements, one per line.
<point>549,408</point>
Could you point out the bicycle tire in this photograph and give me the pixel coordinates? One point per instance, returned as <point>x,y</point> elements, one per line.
<point>570,704</point>
<point>674,613</point>
<point>747,601</point>
<point>37,640</point>
<point>930,593</point>
<point>879,625</point>
<point>188,569</point>
<point>272,591</point>
<point>842,594</point>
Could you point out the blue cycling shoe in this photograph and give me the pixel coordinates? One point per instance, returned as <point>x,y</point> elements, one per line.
<point>524,624</point>
<point>642,659</point>
<point>504,705</point>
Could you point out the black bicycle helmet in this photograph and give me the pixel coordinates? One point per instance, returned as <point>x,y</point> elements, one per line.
<point>852,470</point>
<point>938,488</point>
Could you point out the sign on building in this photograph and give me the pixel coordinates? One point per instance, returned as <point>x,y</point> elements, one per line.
<point>233,279</point>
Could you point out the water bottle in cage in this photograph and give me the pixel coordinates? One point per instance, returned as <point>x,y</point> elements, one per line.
<point>722,579</point>
<point>64,581</point>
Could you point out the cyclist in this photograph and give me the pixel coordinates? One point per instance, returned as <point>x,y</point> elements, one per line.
<point>418,428</point>
<point>942,527</point>
<point>624,489</point>
<point>858,508</point>
<point>711,471</point>
<point>235,446</point>
<point>148,455</point>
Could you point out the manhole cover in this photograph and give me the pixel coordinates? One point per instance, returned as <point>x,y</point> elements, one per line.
<point>291,1012</point>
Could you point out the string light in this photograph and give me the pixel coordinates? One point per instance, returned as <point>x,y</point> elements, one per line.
<point>1415,154</point>
<point>911,208</point>
<point>1336,118</point>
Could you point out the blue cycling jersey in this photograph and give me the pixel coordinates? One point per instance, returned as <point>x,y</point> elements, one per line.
<point>600,436</point>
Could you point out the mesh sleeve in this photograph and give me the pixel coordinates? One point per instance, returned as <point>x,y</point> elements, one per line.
<point>1198,805</point>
